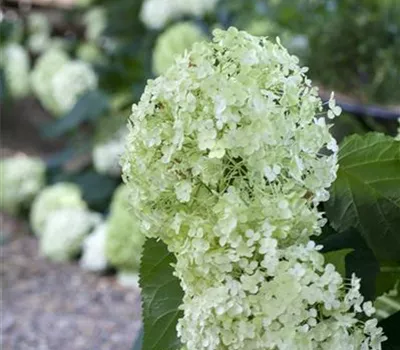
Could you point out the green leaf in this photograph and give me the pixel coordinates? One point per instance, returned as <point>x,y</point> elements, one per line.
<point>89,107</point>
<point>161,297</point>
<point>97,189</point>
<point>337,258</point>
<point>366,193</point>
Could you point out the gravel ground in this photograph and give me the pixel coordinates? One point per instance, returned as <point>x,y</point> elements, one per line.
<point>58,306</point>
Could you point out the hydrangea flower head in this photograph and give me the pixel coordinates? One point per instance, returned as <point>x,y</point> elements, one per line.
<point>95,21</point>
<point>39,32</point>
<point>53,198</point>
<point>155,14</point>
<point>42,74</point>
<point>64,231</point>
<point>16,64</point>
<point>22,177</point>
<point>174,41</point>
<point>224,164</point>
<point>72,80</point>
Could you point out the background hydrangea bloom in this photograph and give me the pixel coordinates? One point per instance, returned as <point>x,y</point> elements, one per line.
<point>39,32</point>
<point>155,14</point>
<point>43,72</point>
<point>224,164</point>
<point>22,177</point>
<point>53,198</point>
<point>124,240</point>
<point>64,231</point>
<point>16,63</point>
<point>70,82</point>
<point>106,155</point>
<point>174,41</point>
<point>94,250</point>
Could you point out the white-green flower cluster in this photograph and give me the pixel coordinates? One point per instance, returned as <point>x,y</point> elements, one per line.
<point>71,82</point>
<point>21,178</point>
<point>64,231</point>
<point>58,82</point>
<point>54,198</point>
<point>94,250</point>
<point>174,41</point>
<point>39,29</point>
<point>106,155</point>
<point>16,64</point>
<point>124,240</point>
<point>224,164</point>
<point>42,74</point>
<point>155,14</point>
<point>95,21</point>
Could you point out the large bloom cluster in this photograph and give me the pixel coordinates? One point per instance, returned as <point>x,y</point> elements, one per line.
<point>155,14</point>
<point>54,198</point>
<point>58,82</point>
<point>174,41</point>
<point>227,158</point>
<point>15,61</point>
<point>22,177</point>
<point>124,241</point>
<point>64,231</point>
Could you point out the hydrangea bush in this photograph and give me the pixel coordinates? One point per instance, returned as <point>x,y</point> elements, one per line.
<point>227,159</point>
<point>51,199</point>
<point>173,42</point>
<point>124,240</point>
<point>22,178</point>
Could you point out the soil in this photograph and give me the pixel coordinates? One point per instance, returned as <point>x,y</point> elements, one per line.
<point>58,306</point>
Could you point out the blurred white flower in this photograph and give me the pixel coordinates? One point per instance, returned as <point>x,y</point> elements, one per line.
<point>106,155</point>
<point>155,14</point>
<point>16,65</point>
<point>173,42</point>
<point>94,246</point>
<point>124,241</point>
<point>21,178</point>
<point>42,74</point>
<point>64,232</point>
<point>39,30</point>
<point>95,21</point>
<point>54,198</point>
<point>70,82</point>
